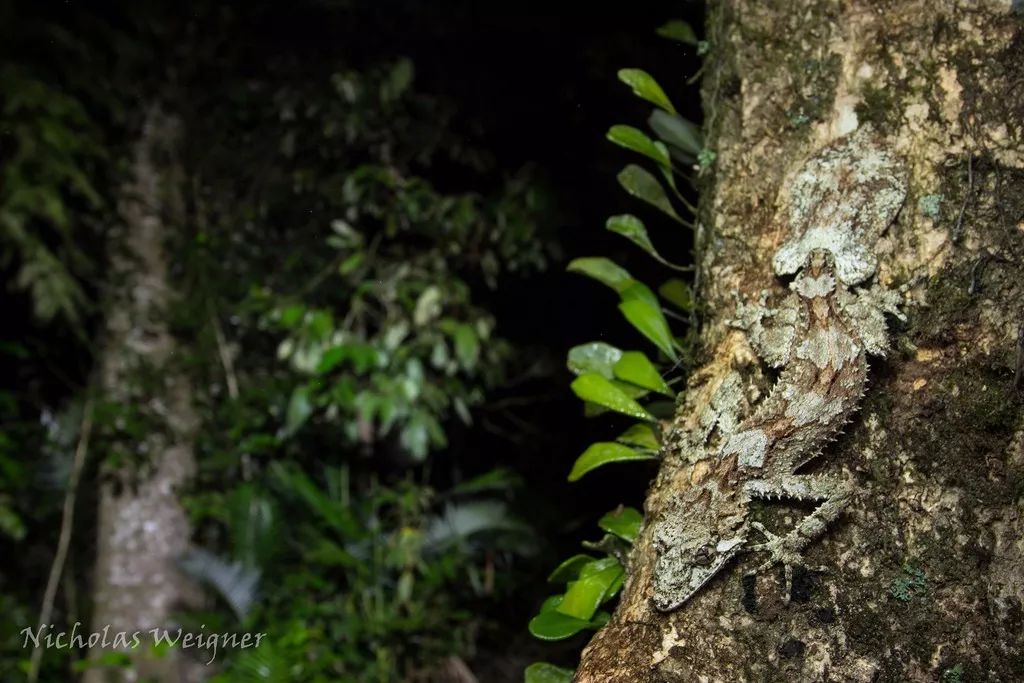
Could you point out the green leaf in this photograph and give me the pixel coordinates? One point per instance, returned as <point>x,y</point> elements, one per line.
<point>633,229</point>
<point>677,29</point>
<point>428,306</point>
<point>585,595</point>
<point>593,357</point>
<point>603,453</point>
<point>598,566</point>
<point>593,387</point>
<point>291,315</point>
<point>631,390</point>
<point>330,358</point>
<point>641,436</point>
<point>677,293</point>
<point>550,603</point>
<point>351,263</point>
<point>634,289</point>
<point>299,410</point>
<point>500,480</point>
<point>467,346</point>
<point>623,522</point>
<point>253,525</point>
<point>554,625</point>
<point>636,140</point>
<point>644,186</point>
<point>651,323</point>
<point>601,269</point>
<point>645,87</point>
<point>677,132</point>
<point>11,524</point>
<point>542,672</point>
<point>601,565</point>
<point>569,569</point>
<point>636,368</point>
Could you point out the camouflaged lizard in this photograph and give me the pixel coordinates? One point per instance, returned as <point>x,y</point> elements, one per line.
<point>819,336</point>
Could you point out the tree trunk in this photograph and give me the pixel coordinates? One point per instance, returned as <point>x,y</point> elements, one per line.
<point>147,453</point>
<point>925,570</point>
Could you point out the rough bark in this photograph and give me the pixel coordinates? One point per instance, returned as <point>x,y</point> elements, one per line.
<point>926,578</point>
<point>142,527</point>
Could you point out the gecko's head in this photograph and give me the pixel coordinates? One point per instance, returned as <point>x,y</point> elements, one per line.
<point>852,260</point>
<point>692,552</point>
<point>841,201</point>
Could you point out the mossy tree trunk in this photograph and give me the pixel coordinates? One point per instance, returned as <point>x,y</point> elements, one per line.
<point>146,443</point>
<point>926,568</point>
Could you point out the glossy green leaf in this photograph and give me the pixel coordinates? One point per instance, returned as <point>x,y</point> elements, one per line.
<point>603,453</point>
<point>601,269</point>
<point>634,289</point>
<point>677,29</point>
<point>633,229</point>
<point>569,569</point>
<point>636,368</point>
<point>598,566</point>
<point>677,132</point>
<point>677,293</point>
<point>554,625</point>
<point>632,390</point>
<point>550,603</point>
<point>645,87</point>
<point>623,522</point>
<point>593,357</point>
<point>650,321</point>
<point>644,186</point>
<point>585,595</point>
<point>596,389</point>
<point>614,587</point>
<point>542,672</point>
<point>640,436</point>
<point>637,141</point>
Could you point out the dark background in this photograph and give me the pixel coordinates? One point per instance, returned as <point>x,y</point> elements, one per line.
<point>536,82</point>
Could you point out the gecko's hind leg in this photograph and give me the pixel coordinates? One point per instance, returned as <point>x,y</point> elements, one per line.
<point>833,496</point>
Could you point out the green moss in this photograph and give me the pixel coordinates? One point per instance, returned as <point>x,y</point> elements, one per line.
<point>911,583</point>
<point>950,304</point>
<point>953,675</point>
<point>816,81</point>
<point>876,105</point>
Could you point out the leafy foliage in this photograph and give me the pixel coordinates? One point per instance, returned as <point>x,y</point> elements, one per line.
<point>611,379</point>
<point>48,148</point>
<point>366,350</point>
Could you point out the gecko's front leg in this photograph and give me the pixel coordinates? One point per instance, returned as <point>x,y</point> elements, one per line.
<point>832,494</point>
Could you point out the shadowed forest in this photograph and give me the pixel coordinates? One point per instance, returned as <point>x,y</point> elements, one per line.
<point>289,290</point>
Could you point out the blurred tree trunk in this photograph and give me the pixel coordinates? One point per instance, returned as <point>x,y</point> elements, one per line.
<point>926,579</point>
<point>147,455</point>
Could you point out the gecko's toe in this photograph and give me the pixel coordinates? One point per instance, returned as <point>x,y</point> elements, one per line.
<point>771,539</point>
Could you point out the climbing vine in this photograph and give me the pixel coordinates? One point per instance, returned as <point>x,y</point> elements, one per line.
<point>630,382</point>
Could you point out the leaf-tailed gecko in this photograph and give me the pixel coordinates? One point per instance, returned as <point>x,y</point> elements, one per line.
<point>819,336</point>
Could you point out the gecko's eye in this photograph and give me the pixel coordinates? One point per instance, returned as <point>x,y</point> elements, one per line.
<point>704,556</point>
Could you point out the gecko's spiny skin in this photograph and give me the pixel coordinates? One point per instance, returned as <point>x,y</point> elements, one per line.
<point>839,204</point>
